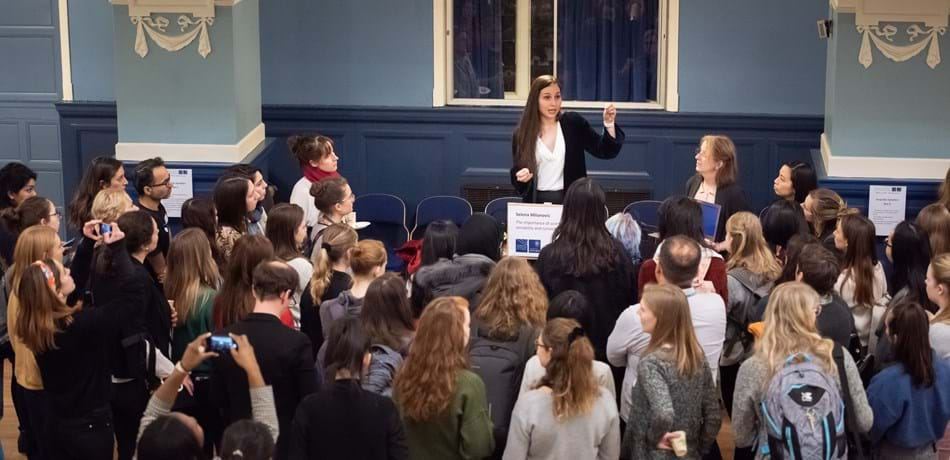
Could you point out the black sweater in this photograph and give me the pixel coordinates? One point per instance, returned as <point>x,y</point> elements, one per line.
<point>310,323</point>
<point>76,374</point>
<point>578,137</point>
<point>345,421</point>
<point>730,197</point>
<point>608,294</point>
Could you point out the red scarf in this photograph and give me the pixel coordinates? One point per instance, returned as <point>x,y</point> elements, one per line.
<point>314,174</point>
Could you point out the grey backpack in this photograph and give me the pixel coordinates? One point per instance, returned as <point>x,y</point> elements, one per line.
<point>804,413</point>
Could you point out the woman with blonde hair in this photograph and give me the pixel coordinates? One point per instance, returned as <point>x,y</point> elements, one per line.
<point>673,380</point>
<point>789,330</point>
<point>567,415</point>
<point>367,262</point>
<point>504,327</point>
<point>109,204</point>
<point>938,290</point>
<point>822,207</point>
<point>442,402</point>
<point>934,219</point>
<point>34,243</point>
<point>330,278</point>
<point>190,287</point>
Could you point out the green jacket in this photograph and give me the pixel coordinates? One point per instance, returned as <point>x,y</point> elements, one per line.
<point>198,322</point>
<point>463,431</point>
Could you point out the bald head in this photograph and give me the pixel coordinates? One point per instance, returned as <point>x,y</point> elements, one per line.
<point>678,261</point>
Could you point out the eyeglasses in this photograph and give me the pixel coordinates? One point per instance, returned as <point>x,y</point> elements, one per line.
<point>164,183</point>
<point>538,344</point>
<point>352,197</point>
<point>56,213</point>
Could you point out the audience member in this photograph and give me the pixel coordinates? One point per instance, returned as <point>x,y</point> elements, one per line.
<point>190,287</point>
<point>287,231</point>
<point>248,440</point>
<point>235,300</point>
<point>938,290</point>
<point>329,279</point>
<point>200,213</point>
<point>673,381</point>
<point>944,192</point>
<point>477,249</point>
<point>795,180</point>
<point>442,403</point>
<point>908,250</point>
<point>822,207</point>
<point>504,327</point>
<point>257,218</point>
<point>32,211</point>
<point>367,262</point>
<point>234,198</point>
<point>109,204</point>
<point>935,221</point>
<point>716,179</point>
<point>571,305</point>
<point>625,229</point>
<point>862,283</point>
<point>782,220</point>
<point>911,399</point>
<point>17,183</point>
<point>679,259</point>
<point>585,258</point>
<point>334,198</point>
<point>103,173</point>
<point>284,354</point>
<point>679,215</point>
<point>318,161</point>
<point>439,242</point>
<point>387,321</point>
<point>566,415</point>
<point>790,330</point>
<point>345,421</point>
<point>818,268</point>
<point>153,183</point>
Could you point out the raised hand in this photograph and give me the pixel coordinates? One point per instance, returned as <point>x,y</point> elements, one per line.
<point>610,114</point>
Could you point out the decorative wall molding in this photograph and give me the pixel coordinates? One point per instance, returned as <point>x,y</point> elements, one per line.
<point>194,153</point>
<point>874,20</point>
<point>896,167</point>
<point>201,14</point>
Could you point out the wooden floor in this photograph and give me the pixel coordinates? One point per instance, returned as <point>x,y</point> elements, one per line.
<point>9,432</point>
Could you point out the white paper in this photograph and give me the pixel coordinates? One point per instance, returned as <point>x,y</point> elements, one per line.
<point>182,190</point>
<point>530,227</point>
<point>887,206</point>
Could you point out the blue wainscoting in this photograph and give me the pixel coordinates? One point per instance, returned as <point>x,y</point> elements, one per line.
<point>418,152</point>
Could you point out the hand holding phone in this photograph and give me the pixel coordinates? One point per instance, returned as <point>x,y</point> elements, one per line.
<point>105,229</point>
<point>221,344</point>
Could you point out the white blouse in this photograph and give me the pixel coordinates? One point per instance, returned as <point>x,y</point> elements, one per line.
<point>551,163</point>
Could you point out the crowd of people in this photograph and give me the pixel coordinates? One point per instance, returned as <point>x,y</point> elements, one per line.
<point>263,330</point>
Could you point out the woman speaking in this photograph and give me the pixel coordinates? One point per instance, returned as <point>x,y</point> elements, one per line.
<point>548,146</point>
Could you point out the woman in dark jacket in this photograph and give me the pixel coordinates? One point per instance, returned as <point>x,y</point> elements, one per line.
<point>716,180</point>
<point>584,257</point>
<point>548,146</point>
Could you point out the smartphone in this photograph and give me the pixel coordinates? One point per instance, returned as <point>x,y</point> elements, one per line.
<point>105,229</point>
<point>221,343</point>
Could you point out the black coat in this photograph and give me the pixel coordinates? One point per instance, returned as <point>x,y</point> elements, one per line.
<point>578,137</point>
<point>286,362</point>
<point>730,197</point>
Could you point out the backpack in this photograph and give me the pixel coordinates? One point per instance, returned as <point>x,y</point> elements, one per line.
<point>804,413</point>
<point>501,366</point>
<point>738,319</point>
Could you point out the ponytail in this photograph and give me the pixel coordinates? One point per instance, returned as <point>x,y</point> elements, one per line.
<point>337,241</point>
<point>569,373</point>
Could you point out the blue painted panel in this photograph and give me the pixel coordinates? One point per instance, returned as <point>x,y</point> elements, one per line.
<point>30,67</point>
<point>10,140</point>
<point>91,54</point>
<point>27,13</point>
<point>44,142</point>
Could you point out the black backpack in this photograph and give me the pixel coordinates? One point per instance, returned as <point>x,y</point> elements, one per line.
<point>740,316</point>
<point>500,364</point>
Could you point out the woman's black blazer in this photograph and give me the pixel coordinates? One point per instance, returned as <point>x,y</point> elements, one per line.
<point>731,197</point>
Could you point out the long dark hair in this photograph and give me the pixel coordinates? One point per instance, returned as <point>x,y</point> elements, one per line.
<point>347,343</point>
<point>860,256</point>
<point>908,328</point>
<point>230,200</point>
<point>386,315</point>
<point>781,221</point>
<point>680,215</point>
<point>282,223</point>
<point>526,134</point>
<point>439,241</point>
<point>804,179</point>
<point>910,250</point>
<point>581,240</point>
<point>791,254</point>
<point>97,177</point>
<point>235,300</point>
<point>199,213</point>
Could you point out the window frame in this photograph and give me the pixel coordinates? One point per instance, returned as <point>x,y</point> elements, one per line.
<point>667,72</point>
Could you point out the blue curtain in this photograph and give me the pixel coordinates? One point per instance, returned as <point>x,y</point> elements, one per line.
<point>607,49</point>
<point>478,67</point>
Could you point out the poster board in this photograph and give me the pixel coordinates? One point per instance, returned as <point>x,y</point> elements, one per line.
<point>530,227</point>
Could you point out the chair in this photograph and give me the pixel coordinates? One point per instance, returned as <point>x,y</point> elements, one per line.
<point>441,207</point>
<point>387,216</point>
<point>498,208</point>
<point>645,213</point>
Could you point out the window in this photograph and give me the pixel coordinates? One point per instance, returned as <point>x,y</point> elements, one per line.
<point>619,51</point>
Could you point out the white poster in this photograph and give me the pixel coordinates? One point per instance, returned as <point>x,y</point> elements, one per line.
<point>530,227</point>
<point>182,190</point>
<point>887,206</point>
